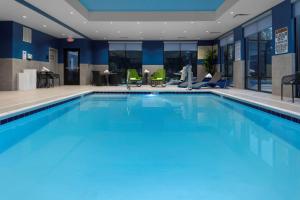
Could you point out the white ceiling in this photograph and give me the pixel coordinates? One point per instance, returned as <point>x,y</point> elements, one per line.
<point>128,30</point>
<point>11,10</point>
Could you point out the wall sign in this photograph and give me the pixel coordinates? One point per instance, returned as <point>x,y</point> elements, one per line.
<point>282,41</point>
<point>238,51</point>
<point>24,55</point>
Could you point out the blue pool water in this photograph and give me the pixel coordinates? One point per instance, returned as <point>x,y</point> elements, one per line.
<point>146,147</point>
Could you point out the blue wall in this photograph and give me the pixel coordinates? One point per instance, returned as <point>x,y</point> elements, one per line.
<point>6,49</point>
<point>13,45</point>
<point>239,36</point>
<point>153,53</point>
<point>91,52</point>
<point>206,43</point>
<point>39,47</point>
<point>100,52</point>
<point>282,16</point>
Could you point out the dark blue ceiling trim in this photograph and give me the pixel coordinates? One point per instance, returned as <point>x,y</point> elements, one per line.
<point>32,7</point>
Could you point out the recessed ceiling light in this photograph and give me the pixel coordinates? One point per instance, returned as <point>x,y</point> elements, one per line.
<point>63,34</point>
<point>232,13</point>
<point>45,26</point>
<point>72,13</point>
<point>165,22</point>
<point>192,22</point>
<point>141,32</point>
<point>207,31</point>
<point>24,16</point>
<point>138,22</point>
<point>218,22</point>
<point>111,22</point>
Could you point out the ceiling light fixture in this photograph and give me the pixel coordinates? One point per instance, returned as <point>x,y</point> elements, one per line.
<point>84,22</point>
<point>218,22</point>
<point>138,22</point>
<point>207,31</point>
<point>111,22</point>
<point>232,13</point>
<point>24,16</point>
<point>192,22</point>
<point>165,22</point>
<point>141,32</point>
<point>71,13</point>
<point>45,26</point>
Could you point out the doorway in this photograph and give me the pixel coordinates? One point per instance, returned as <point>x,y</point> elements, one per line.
<point>72,66</point>
<point>259,61</point>
<point>227,61</point>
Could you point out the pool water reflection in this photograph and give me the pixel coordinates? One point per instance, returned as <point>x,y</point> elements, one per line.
<point>150,147</point>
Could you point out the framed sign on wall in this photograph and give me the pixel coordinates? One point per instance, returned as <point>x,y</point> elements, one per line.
<point>237,50</point>
<point>282,41</point>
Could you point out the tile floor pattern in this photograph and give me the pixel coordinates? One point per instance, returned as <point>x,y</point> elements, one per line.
<point>11,101</point>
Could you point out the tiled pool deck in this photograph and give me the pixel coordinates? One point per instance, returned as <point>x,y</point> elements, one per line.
<point>17,101</point>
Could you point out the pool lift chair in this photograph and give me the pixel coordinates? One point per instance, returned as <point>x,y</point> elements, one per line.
<point>199,79</point>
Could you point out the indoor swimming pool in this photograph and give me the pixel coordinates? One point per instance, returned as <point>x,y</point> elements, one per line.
<point>150,146</point>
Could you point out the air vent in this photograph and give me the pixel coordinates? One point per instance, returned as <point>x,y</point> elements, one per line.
<point>214,32</point>
<point>240,15</point>
<point>27,34</point>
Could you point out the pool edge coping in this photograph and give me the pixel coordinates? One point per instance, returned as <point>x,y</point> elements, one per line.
<point>12,115</point>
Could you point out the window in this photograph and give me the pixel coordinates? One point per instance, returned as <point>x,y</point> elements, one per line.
<point>177,55</point>
<point>227,57</point>
<point>123,56</point>
<point>259,55</point>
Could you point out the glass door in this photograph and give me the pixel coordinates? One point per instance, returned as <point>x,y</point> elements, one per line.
<point>252,62</point>
<point>227,53</point>
<point>230,60</point>
<point>265,60</point>
<point>259,61</point>
<point>71,66</point>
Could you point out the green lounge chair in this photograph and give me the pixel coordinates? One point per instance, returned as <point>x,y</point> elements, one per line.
<point>133,77</point>
<point>158,78</point>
